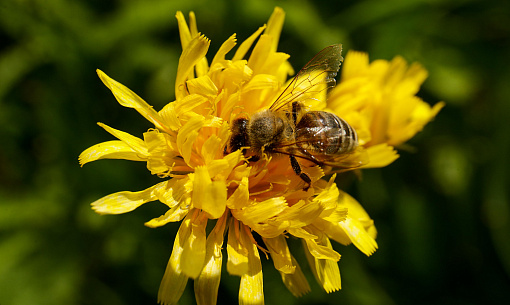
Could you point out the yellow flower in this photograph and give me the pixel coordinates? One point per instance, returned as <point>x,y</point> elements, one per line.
<point>379,100</point>
<point>249,202</point>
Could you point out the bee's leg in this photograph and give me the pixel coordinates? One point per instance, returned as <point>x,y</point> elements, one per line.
<point>295,109</point>
<point>297,169</point>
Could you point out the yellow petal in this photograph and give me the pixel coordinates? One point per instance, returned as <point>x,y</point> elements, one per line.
<point>128,98</point>
<point>191,54</point>
<point>184,32</point>
<point>237,263</point>
<point>280,254</point>
<point>240,198</point>
<point>209,150</point>
<point>161,157</point>
<point>380,155</point>
<point>296,282</point>
<point>187,136</point>
<point>300,214</point>
<point>193,253</point>
<point>202,85</point>
<point>110,150</point>
<point>135,143</point>
<point>224,49</point>
<point>359,236</point>
<point>274,26</point>
<point>320,251</point>
<point>251,290</point>
<point>177,196</point>
<point>357,228</point>
<point>326,271</point>
<point>260,54</point>
<point>174,280</point>
<point>210,196</point>
<point>208,282</point>
<point>246,45</point>
<point>355,63</point>
<point>259,212</point>
<point>123,202</point>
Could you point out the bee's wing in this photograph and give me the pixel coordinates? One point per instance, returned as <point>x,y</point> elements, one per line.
<point>337,163</point>
<point>347,161</point>
<point>317,75</point>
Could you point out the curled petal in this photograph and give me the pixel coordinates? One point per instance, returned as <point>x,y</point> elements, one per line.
<point>193,253</point>
<point>237,263</point>
<point>191,55</point>
<point>208,195</point>
<point>357,228</point>
<point>280,254</point>
<point>224,49</point>
<point>174,280</point>
<point>296,282</point>
<point>251,290</point>
<point>128,98</point>
<point>110,150</point>
<point>326,271</point>
<point>275,25</point>
<point>380,155</point>
<point>208,282</point>
<point>135,143</point>
<point>123,202</point>
<point>246,45</point>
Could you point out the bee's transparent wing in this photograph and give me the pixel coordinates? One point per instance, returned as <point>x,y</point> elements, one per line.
<point>337,163</point>
<point>316,76</point>
<point>341,163</point>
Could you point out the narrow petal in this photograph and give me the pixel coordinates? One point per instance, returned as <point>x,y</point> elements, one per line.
<point>110,150</point>
<point>208,282</point>
<point>251,290</point>
<point>123,202</point>
<point>187,136</point>
<point>240,198</point>
<point>135,143</point>
<point>296,282</point>
<point>202,66</point>
<point>177,196</point>
<point>280,254</point>
<point>202,85</point>
<point>128,98</point>
<point>191,55</point>
<point>326,271</point>
<point>260,54</point>
<point>237,263</point>
<point>184,31</point>
<point>246,45</point>
<point>224,49</point>
<point>193,253</point>
<point>359,236</point>
<point>210,196</point>
<point>260,212</point>
<point>380,155</point>
<point>274,26</point>
<point>357,228</point>
<point>174,280</point>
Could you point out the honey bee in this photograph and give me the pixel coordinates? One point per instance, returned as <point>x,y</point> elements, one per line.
<point>288,128</point>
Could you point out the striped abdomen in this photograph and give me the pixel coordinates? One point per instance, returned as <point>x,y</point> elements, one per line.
<point>323,133</point>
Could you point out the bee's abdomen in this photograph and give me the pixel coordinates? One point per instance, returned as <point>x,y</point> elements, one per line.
<point>321,132</point>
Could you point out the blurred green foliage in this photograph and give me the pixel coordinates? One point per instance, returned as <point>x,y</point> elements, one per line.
<point>442,209</point>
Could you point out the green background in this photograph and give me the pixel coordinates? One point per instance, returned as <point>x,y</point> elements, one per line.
<point>442,209</point>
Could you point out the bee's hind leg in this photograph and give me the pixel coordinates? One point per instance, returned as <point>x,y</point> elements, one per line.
<point>297,169</point>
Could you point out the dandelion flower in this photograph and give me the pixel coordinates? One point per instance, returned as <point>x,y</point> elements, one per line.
<point>252,207</point>
<point>379,100</point>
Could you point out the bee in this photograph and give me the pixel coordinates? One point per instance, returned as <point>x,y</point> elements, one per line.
<point>288,128</point>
